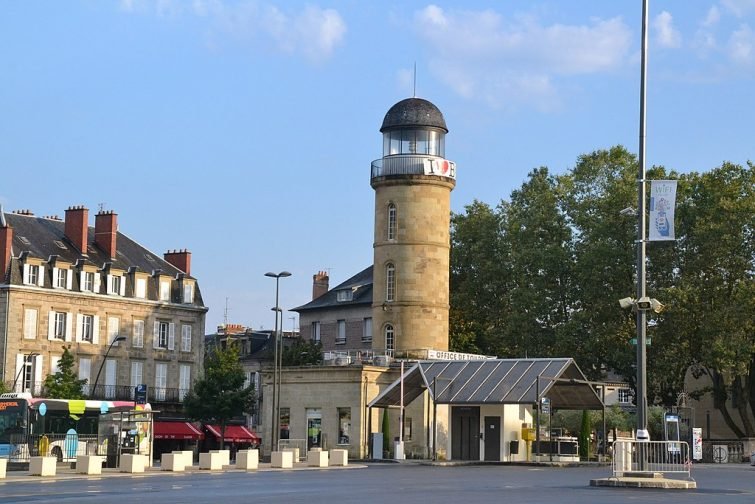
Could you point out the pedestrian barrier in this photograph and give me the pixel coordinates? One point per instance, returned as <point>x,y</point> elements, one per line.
<point>172,462</point>
<point>211,461</point>
<point>42,466</point>
<point>667,457</point>
<point>247,459</point>
<point>316,457</point>
<point>131,463</point>
<point>3,467</point>
<point>339,457</point>
<point>89,464</point>
<point>282,460</point>
<point>225,456</point>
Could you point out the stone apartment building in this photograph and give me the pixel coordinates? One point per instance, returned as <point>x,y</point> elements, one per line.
<point>65,283</point>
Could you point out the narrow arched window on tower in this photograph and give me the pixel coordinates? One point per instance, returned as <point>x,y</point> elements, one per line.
<point>390,282</point>
<point>390,341</point>
<point>391,221</point>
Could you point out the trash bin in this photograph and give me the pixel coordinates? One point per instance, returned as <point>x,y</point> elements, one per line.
<point>514,447</point>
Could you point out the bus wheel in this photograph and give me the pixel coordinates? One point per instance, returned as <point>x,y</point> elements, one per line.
<point>57,453</point>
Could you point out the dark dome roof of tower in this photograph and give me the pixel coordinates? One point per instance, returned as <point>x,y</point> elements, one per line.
<point>413,112</point>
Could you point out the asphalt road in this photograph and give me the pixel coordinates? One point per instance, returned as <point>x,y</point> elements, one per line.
<point>385,484</point>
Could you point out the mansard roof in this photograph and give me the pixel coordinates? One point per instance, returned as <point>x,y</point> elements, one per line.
<point>360,286</point>
<point>43,237</point>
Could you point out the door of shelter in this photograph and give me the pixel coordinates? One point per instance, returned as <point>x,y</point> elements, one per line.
<point>465,433</point>
<point>492,438</point>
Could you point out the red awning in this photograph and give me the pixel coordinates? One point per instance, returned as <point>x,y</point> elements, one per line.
<point>177,430</point>
<point>235,434</point>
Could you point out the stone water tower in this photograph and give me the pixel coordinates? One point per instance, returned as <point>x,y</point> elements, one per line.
<point>413,183</point>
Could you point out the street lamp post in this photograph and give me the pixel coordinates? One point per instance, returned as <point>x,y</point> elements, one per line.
<point>104,359</point>
<point>23,366</point>
<point>277,363</point>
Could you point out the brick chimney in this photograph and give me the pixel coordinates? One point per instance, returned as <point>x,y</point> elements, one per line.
<point>181,259</point>
<point>6,242</point>
<point>105,231</point>
<point>77,227</point>
<point>320,283</point>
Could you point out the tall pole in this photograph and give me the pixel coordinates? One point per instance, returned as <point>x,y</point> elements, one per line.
<point>641,233</point>
<point>277,364</point>
<point>104,359</point>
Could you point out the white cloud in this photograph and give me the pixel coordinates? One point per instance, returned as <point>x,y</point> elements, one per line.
<point>313,32</point>
<point>712,17</point>
<point>482,55</point>
<point>739,8</point>
<point>665,33</point>
<point>741,46</point>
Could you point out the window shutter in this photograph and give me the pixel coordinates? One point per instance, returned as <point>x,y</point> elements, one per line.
<point>79,326</point>
<point>171,336</point>
<point>109,284</point>
<point>55,277</point>
<point>97,283</point>
<point>37,388</point>
<point>156,336</point>
<point>51,326</point>
<point>54,363</point>
<point>69,324</point>
<point>69,279</point>
<point>41,275</point>
<point>123,286</point>
<point>82,280</point>
<point>26,273</point>
<point>19,365</point>
<point>96,330</point>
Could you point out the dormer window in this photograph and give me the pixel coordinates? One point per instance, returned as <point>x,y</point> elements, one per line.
<point>344,295</point>
<point>164,290</point>
<point>33,275</point>
<point>62,278</point>
<point>188,293</point>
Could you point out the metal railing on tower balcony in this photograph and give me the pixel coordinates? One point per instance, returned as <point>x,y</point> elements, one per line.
<point>401,164</point>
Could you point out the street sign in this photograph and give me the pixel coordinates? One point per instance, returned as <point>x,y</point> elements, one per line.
<point>545,405</point>
<point>140,393</point>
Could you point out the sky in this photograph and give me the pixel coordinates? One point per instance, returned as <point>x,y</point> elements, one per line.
<point>244,130</point>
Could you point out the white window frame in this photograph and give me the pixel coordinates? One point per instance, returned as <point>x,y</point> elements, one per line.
<point>116,285</point>
<point>390,338</point>
<point>624,395</point>
<point>391,234</point>
<point>341,332</point>
<point>367,329</point>
<point>164,290</point>
<point>89,281</point>
<point>390,282</point>
<point>31,316</point>
<point>141,288</point>
<point>88,321</point>
<point>60,325</point>
<point>137,340</point>
<point>164,335</point>
<point>137,375</point>
<point>62,278</point>
<point>185,338</point>
<point>188,293</point>
<point>184,381</point>
<point>113,329</point>
<point>161,380</point>
<point>34,275</point>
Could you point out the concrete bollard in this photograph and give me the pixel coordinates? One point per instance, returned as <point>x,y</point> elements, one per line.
<point>247,459</point>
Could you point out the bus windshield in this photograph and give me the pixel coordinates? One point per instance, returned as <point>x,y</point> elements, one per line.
<point>12,419</point>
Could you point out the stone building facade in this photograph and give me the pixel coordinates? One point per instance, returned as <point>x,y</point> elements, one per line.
<point>64,283</point>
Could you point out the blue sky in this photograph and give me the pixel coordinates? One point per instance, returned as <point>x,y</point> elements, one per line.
<point>244,130</point>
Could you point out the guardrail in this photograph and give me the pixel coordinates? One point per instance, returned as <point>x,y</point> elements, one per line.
<point>667,457</point>
<point>64,447</point>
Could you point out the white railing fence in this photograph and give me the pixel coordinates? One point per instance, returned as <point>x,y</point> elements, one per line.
<point>667,457</point>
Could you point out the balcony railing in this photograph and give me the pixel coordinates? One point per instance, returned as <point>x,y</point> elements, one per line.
<point>412,164</point>
<point>111,392</point>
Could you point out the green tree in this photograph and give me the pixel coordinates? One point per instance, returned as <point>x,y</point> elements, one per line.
<point>302,353</point>
<point>585,431</point>
<point>64,384</point>
<point>220,395</point>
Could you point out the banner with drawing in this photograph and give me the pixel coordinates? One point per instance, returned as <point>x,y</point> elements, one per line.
<point>662,205</point>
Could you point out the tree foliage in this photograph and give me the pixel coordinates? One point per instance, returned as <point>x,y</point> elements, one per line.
<point>220,394</point>
<point>302,352</point>
<point>540,275</point>
<point>64,384</point>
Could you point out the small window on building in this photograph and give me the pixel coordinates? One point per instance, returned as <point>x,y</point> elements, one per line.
<point>390,282</point>
<point>61,278</point>
<point>344,295</point>
<point>88,283</point>
<point>30,323</point>
<point>138,339</point>
<point>344,425</point>
<point>162,334</point>
<point>341,332</point>
<point>188,293</point>
<point>185,338</point>
<point>116,285</point>
<point>391,221</point>
<point>367,329</point>
<point>390,342</point>
<point>625,395</point>
<point>165,290</point>
<point>315,332</point>
<point>141,288</point>
<point>33,275</point>
<point>86,329</point>
<point>113,329</point>
<point>59,326</point>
